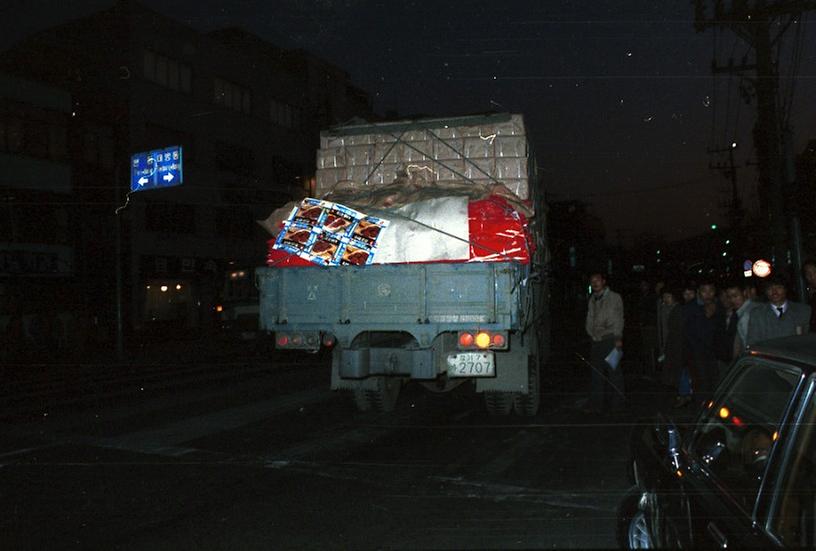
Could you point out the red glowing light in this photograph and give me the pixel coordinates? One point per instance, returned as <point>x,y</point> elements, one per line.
<point>466,339</point>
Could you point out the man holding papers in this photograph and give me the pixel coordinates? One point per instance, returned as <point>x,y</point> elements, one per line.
<point>604,325</point>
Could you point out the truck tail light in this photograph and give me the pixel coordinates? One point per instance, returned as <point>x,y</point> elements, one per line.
<point>482,340</point>
<point>466,340</point>
<point>308,340</point>
<point>329,340</point>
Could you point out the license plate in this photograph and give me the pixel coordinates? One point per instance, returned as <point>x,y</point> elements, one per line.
<point>471,364</point>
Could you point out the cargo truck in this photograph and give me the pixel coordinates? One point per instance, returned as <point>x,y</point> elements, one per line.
<point>483,320</point>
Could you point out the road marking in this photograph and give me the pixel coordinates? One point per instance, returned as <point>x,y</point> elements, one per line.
<point>325,442</point>
<point>166,439</point>
<point>23,451</point>
<point>499,492</point>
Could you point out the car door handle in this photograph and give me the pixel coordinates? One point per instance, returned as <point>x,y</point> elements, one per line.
<point>717,534</point>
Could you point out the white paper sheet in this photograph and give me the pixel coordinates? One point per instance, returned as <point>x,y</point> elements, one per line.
<point>614,357</point>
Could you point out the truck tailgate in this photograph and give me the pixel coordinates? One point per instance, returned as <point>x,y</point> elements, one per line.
<point>389,295</point>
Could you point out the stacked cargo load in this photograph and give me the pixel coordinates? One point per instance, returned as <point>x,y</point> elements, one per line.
<point>434,190</point>
<point>421,256</point>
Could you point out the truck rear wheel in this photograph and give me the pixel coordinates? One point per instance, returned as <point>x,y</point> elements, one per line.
<point>382,398</point>
<point>498,403</point>
<point>528,404</point>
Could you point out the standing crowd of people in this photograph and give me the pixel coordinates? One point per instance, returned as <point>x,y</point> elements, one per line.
<point>691,333</point>
<point>702,328</point>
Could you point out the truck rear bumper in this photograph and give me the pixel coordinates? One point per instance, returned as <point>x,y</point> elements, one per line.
<point>362,363</point>
<point>359,368</point>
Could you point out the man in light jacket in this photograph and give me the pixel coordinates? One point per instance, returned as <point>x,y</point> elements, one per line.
<point>604,325</point>
<point>739,295</point>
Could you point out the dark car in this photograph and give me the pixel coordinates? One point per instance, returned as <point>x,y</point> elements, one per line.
<point>743,473</point>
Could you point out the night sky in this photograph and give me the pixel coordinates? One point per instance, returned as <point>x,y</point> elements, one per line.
<point>618,95</point>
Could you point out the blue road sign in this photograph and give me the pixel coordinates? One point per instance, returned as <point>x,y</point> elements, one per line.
<point>156,169</point>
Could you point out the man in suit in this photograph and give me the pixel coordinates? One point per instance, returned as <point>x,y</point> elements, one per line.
<point>780,317</point>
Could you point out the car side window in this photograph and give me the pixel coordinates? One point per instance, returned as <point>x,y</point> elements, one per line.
<point>794,521</point>
<point>735,435</point>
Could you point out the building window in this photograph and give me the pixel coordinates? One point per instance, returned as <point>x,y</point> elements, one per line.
<point>186,75</point>
<point>166,136</point>
<point>283,114</point>
<point>232,96</point>
<point>33,132</point>
<point>57,142</point>
<point>170,217</point>
<point>97,146</point>
<point>234,158</point>
<point>234,222</point>
<point>14,135</point>
<point>167,72</point>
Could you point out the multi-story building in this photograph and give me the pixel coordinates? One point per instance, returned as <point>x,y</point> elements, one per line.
<point>247,116</point>
<point>37,247</point>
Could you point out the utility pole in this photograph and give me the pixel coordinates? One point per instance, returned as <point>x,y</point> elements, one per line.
<point>730,171</point>
<point>753,22</point>
<point>120,349</point>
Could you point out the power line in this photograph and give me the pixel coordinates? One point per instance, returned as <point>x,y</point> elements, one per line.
<point>677,185</point>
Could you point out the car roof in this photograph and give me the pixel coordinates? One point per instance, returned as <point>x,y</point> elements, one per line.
<point>800,349</point>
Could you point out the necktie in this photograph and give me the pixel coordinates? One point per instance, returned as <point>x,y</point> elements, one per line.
<point>781,311</point>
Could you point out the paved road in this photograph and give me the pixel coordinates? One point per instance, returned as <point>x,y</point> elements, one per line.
<point>275,460</point>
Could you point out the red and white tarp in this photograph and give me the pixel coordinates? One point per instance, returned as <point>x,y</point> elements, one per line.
<point>445,229</point>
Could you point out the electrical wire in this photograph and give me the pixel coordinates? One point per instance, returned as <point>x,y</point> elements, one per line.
<point>727,123</point>
<point>796,61</point>
<point>714,90</point>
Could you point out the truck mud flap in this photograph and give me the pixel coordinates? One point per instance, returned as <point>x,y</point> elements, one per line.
<point>511,370</point>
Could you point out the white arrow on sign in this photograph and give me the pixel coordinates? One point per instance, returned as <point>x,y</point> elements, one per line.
<point>167,177</point>
<point>142,181</point>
